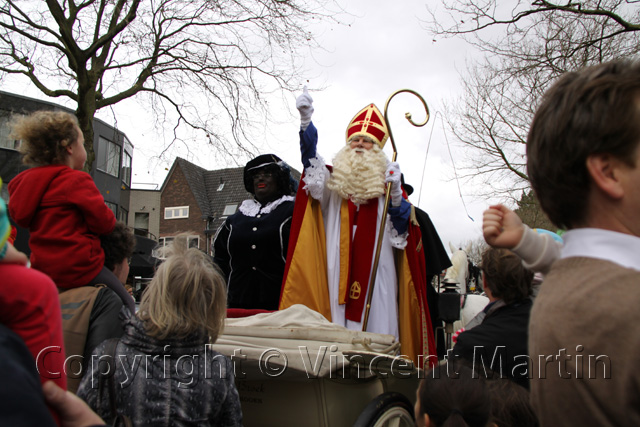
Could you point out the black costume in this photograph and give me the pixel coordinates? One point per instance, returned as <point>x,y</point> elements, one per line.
<point>251,249</point>
<point>436,260</point>
<point>503,334</point>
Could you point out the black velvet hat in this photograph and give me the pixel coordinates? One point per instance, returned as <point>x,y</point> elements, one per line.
<point>287,184</point>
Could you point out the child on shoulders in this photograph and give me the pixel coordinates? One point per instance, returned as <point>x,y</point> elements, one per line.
<point>60,204</point>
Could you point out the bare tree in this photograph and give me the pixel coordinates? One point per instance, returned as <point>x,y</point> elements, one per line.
<point>526,46</point>
<point>491,122</point>
<point>202,64</point>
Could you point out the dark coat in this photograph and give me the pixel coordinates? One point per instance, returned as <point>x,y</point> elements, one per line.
<point>174,382</point>
<point>21,400</point>
<point>251,251</point>
<point>435,255</point>
<point>499,343</point>
<point>104,321</point>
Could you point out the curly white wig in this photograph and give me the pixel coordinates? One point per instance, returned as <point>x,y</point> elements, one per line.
<point>358,174</point>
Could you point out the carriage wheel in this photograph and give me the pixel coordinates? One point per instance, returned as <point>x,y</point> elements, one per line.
<point>390,409</point>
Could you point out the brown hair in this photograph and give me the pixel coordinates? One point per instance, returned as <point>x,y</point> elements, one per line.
<point>117,245</point>
<point>505,275</point>
<point>510,404</point>
<point>452,396</point>
<point>45,136</point>
<point>590,111</point>
<point>186,296</point>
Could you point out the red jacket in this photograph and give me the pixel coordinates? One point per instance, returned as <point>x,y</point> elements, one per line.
<point>65,214</point>
<point>31,309</point>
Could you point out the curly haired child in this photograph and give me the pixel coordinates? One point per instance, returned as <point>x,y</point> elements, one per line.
<point>60,204</point>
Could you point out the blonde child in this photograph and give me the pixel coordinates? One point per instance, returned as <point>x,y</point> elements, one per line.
<point>60,204</point>
<point>181,313</point>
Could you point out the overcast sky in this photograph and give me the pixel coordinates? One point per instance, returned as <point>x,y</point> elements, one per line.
<point>386,47</point>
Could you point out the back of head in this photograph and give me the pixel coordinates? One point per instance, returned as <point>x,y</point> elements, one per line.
<point>453,397</point>
<point>505,275</point>
<point>186,296</point>
<point>45,136</point>
<point>117,245</point>
<point>510,404</point>
<point>595,110</point>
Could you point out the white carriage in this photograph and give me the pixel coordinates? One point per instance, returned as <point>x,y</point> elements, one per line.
<point>294,368</point>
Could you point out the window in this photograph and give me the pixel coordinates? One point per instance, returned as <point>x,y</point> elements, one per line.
<point>126,169</point>
<point>12,144</point>
<point>141,221</point>
<point>229,210</point>
<point>5,130</point>
<point>162,243</point>
<point>108,157</point>
<point>113,207</point>
<point>194,242</point>
<point>165,241</point>
<point>176,212</point>
<point>123,215</point>
<point>221,186</point>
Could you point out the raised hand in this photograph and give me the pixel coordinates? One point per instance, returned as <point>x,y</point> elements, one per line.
<point>502,227</point>
<point>304,104</point>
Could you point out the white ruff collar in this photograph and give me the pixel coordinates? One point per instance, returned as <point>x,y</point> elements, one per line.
<point>251,207</point>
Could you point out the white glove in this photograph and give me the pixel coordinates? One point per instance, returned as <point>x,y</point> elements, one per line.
<point>393,177</point>
<point>304,104</point>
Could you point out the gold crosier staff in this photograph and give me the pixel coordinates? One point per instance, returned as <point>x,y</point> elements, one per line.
<point>374,271</point>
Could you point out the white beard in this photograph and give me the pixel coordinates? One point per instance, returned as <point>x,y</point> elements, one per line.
<point>358,174</point>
